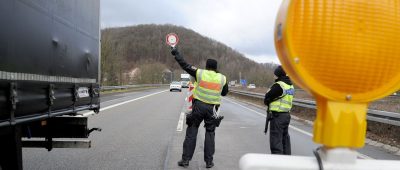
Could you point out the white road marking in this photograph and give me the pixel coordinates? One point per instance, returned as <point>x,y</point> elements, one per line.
<point>179,128</point>
<point>363,156</point>
<point>292,127</point>
<point>122,98</point>
<point>119,104</point>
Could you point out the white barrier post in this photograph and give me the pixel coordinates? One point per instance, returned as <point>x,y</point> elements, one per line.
<point>190,98</point>
<point>331,159</point>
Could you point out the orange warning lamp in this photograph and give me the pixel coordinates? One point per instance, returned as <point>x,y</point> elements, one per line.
<point>346,53</point>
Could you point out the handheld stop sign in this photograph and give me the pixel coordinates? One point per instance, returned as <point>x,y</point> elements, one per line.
<point>346,53</point>
<point>172,39</point>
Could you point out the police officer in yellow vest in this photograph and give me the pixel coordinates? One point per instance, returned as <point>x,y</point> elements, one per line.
<point>210,85</point>
<point>279,100</point>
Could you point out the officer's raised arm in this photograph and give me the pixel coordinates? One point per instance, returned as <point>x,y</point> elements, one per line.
<point>181,61</point>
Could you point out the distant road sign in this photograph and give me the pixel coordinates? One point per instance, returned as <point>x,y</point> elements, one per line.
<point>243,82</point>
<point>172,39</point>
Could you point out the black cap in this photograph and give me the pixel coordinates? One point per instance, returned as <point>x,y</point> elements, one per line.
<point>211,64</point>
<point>279,72</point>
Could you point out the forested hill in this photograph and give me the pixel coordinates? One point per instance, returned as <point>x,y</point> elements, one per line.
<point>138,54</point>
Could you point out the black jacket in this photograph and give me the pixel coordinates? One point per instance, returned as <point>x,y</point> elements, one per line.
<point>192,71</point>
<point>276,90</point>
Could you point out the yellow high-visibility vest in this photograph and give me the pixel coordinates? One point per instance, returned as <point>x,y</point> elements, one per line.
<point>208,86</point>
<point>285,101</point>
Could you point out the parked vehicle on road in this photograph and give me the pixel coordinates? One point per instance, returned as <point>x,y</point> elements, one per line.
<point>175,85</point>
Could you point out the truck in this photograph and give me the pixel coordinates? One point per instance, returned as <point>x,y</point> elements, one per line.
<point>185,80</point>
<point>49,74</point>
<point>232,83</point>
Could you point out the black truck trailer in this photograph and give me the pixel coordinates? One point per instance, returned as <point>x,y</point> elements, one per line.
<point>49,74</point>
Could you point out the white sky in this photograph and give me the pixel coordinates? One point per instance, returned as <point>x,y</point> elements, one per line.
<point>244,25</point>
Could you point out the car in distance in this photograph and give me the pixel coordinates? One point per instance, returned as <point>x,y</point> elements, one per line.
<point>251,86</point>
<point>175,85</point>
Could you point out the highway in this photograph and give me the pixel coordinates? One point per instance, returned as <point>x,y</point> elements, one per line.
<point>142,130</point>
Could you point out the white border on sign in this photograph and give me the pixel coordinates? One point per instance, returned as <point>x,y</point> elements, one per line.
<point>171,43</point>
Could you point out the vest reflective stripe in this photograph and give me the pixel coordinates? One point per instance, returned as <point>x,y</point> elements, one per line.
<point>208,86</point>
<point>210,93</point>
<point>285,101</point>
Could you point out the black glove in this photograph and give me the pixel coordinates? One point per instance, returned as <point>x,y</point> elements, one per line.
<point>174,51</point>
<point>218,120</point>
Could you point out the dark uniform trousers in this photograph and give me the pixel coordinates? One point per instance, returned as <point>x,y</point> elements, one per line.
<point>279,133</point>
<point>201,111</point>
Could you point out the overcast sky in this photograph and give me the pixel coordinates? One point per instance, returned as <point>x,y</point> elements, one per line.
<point>245,25</point>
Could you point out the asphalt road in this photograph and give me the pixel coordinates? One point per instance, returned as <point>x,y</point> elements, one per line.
<point>144,131</point>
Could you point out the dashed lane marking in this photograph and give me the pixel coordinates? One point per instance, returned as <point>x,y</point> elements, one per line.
<point>179,128</point>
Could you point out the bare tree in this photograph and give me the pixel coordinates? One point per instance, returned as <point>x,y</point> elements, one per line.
<point>143,46</point>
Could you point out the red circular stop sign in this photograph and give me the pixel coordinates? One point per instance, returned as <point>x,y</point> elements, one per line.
<point>172,39</point>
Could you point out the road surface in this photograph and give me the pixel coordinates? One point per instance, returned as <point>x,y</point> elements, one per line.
<point>144,131</point>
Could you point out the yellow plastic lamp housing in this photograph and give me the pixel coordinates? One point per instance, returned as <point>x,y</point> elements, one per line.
<point>346,53</point>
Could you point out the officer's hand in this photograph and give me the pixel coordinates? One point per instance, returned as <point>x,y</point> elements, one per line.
<point>174,51</point>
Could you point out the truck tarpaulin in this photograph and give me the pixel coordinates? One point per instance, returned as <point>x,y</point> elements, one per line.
<point>49,52</point>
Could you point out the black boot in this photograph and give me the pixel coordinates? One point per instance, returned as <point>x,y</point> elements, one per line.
<point>209,164</point>
<point>183,163</point>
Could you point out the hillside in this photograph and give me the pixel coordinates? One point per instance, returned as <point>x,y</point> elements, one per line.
<point>138,54</point>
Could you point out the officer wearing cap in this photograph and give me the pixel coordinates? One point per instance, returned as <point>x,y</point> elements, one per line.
<point>210,85</point>
<point>279,100</point>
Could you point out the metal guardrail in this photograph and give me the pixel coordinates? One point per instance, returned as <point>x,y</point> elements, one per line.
<point>109,88</point>
<point>385,117</point>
